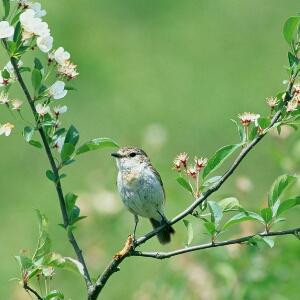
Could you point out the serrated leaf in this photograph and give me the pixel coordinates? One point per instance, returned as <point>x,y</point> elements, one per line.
<point>289,28</point>
<point>215,211</point>
<point>242,217</point>
<point>96,144</point>
<point>190,231</point>
<point>72,136</point>
<point>218,158</point>
<point>288,204</point>
<point>185,184</point>
<point>279,186</point>
<point>66,151</point>
<point>264,123</point>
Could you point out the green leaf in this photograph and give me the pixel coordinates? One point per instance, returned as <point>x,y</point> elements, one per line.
<point>229,204</point>
<point>24,262</point>
<point>44,242</point>
<point>5,74</point>
<point>18,33</point>
<point>56,295</point>
<point>50,175</point>
<point>293,60</point>
<point>257,240</point>
<point>211,181</point>
<point>279,186</point>
<point>24,69</point>
<point>38,65</point>
<point>289,28</point>
<point>288,204</point>
<point>28,133</point>
<point>218,158</point>
<point>240,130</point>
<point>242,217</point>
<point>70,200</point>
<point>190,231</point>
<point>36,79</point>
<point>210,227</point>
<point>72,136</point>
<point>11,46</point>
<point>264,123</point>
<point>185,184</point>
<point>96,144</point>
<point>74,265</point>
<point>70,88</point>
<point>215,211</point>
<point>253,133</point>
<point>66,151</point>
<point>74,215</point>
<point>35,144</point>
<point>266,214</point>
<point>6,5</point>
<point>269,241</point>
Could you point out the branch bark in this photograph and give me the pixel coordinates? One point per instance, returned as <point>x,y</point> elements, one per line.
<point>164,255</point>
<point>31,290</point>
<point>55,171</point>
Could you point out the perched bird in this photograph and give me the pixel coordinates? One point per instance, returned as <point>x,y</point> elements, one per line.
<point>141,189</point>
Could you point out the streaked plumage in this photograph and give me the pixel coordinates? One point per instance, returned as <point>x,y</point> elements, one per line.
<point>141,188</point>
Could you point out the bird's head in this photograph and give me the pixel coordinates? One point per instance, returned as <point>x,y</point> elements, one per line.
<point>130,158</point>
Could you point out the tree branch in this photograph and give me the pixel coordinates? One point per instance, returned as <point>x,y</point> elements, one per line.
<point>29,289</point>
<point>55,171</point>
<point>163,255</point>
<point>111,268</point>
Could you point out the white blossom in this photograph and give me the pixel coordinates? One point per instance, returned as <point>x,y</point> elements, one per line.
<point>68,70</point>
<point>16,104</point>
<point>37,7</point>
<point>4,98</point>
<point>61,56</point>
<point>42,109</point>
<point>58,110</point>
<point>57,90</point>
<point>247,117</point>
<point>6,31</point>
<point>6,129</point>
<point>45,43</point>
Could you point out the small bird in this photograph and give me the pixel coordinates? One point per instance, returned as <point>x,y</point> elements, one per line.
<point>141,189</point>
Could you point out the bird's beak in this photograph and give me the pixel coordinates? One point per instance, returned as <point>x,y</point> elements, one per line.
<point>116,154</point>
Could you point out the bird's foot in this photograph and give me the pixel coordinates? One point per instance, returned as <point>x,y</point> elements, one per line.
<point>129,245</point>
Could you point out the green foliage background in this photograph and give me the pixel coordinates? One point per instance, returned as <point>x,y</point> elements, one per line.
<point>175,69</point>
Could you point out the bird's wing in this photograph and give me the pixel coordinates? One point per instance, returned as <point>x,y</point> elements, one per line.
<point>159,179</point>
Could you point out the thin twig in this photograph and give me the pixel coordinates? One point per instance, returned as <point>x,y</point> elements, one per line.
<point>163,255</point>
<point>54,168</point>
<point>102,279</point>
<point>29,289</point>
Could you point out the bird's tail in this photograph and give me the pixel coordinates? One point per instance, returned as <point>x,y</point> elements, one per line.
<point>164,235</point>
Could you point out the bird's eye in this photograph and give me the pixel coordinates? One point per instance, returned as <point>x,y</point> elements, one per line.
<point>133,154</point>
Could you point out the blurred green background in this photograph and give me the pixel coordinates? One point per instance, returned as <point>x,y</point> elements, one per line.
<point>167,76</point>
